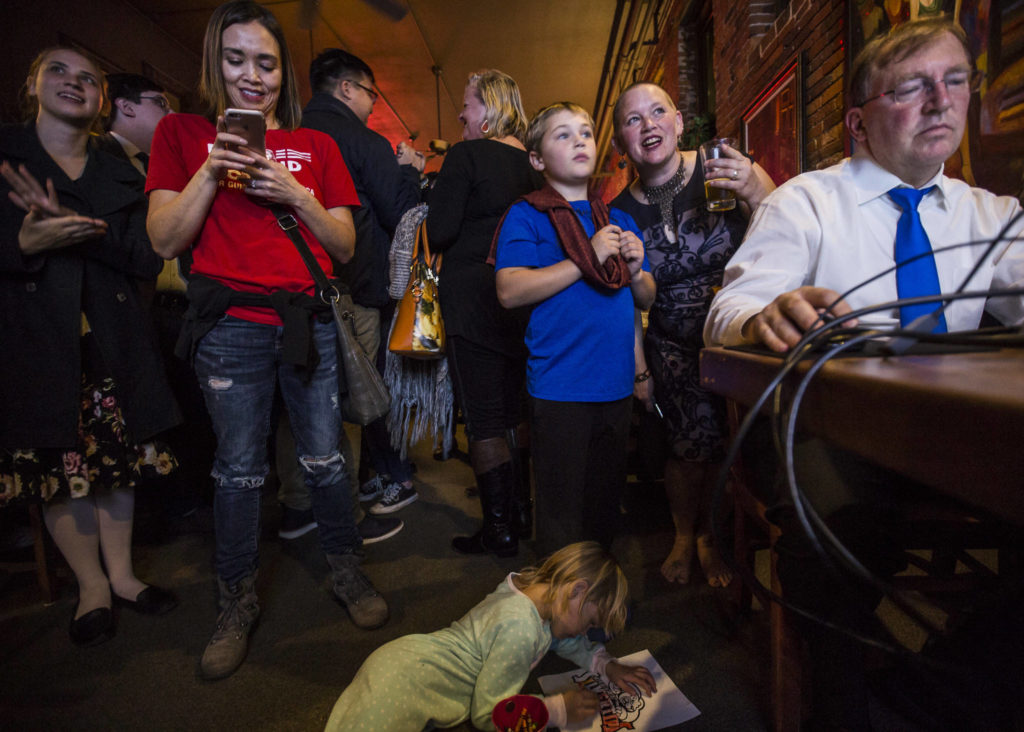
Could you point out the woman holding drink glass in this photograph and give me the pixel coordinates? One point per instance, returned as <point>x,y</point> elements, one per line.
<point>689,234</point>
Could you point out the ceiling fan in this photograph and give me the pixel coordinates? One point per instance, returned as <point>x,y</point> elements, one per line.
<point>393,9</point>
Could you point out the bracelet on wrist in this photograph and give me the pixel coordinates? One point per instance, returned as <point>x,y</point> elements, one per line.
<point>642,377</point>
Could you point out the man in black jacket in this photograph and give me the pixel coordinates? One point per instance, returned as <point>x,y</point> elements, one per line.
<point>137,105</point>
<point>388,186</point>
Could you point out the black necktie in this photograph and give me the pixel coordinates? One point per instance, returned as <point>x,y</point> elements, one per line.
<point>144,159</point>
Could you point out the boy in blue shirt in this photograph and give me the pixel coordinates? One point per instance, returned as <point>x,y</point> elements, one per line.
<point>582,269</point>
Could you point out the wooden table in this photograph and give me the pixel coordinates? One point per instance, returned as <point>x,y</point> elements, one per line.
<point>952,421</point>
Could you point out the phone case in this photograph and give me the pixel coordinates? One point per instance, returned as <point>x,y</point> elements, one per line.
<point>248,124</point>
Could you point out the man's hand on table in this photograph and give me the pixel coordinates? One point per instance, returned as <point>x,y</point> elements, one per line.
<point>781,325</point>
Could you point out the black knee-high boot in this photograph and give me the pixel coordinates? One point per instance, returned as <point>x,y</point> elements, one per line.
<point>496,536</point>
<point>522,500</point>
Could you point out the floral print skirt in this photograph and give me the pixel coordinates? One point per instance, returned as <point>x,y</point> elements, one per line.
<point>101,458</point>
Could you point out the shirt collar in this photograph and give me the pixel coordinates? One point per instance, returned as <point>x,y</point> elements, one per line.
<point>873,181</point>
<point>130,148</point>
<point>322,101</point>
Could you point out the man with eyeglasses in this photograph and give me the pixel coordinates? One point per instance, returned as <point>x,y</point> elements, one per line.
<point>827,231</point>
<point>388,186</point>
<point>137,104</point>
<point>823,233</point>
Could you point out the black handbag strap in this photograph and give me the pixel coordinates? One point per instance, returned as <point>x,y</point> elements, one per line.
<point>290,226</point>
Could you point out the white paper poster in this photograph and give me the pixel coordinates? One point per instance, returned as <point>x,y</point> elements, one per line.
<point>624,708</point>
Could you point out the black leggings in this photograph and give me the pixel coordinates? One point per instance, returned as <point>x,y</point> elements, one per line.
<point>489,386</point>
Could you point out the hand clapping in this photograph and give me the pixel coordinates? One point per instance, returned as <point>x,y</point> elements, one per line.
<point>47,224</point>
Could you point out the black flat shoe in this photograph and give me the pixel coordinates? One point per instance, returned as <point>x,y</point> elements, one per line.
<point>151,601</point>
<point>96,626</point>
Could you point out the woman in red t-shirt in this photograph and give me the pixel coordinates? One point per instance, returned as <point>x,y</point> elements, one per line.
<point>208,193</point>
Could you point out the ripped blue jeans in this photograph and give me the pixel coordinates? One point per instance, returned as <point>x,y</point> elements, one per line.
<point>238,365</point>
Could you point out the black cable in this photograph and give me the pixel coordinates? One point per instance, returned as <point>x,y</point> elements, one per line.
<point>807,344</point>
<point>806,513</point>
<point>785,423</point>
<point>764,594</point>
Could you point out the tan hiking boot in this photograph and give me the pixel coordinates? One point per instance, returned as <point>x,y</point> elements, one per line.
<point>365,606</point>
<point>239,611</point>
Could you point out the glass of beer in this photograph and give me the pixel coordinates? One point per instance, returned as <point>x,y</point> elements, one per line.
<point>719,199</point>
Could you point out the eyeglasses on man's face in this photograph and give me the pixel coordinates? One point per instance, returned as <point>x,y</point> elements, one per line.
<point>157,99</point>
<point>916,90</point>
<point>374,96</point>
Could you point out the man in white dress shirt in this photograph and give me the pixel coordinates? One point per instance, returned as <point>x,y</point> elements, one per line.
<point>826,231</point>
<point>820,235</point>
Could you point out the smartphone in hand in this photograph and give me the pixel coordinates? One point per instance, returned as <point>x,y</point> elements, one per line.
<point>248,123</point>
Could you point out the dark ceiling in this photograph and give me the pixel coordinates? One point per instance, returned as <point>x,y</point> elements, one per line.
<point>555,50</point>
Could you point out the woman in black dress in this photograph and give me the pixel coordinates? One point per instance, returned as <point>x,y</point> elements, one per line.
<point>81,381</point>
<point>687,247</point>
<point>480,178</point>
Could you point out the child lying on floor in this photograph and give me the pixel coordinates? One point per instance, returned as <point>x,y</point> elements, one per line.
<point>419,682</point>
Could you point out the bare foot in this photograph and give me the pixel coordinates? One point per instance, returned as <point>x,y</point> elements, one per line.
<point>676,567</point>
<point>716,571</point>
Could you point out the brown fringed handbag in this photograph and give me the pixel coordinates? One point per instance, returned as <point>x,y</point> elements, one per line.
<point>419,330</point>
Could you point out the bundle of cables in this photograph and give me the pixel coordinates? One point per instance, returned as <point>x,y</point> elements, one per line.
<point>819,345</point>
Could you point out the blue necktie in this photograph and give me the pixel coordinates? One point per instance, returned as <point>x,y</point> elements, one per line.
<point>920,277</point>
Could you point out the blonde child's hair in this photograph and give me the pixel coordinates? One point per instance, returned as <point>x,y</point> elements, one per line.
<point>539,124</point>
<point>500,96</point>
<point>607,588</point>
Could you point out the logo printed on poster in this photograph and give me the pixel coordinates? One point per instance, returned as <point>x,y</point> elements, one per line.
<point>619,709</point>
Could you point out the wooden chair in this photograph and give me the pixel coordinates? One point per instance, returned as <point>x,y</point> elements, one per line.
<point>44,559</point>
<point>937,536</point>
<point>752,531</point>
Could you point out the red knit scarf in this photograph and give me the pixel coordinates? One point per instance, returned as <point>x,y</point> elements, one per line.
<point>613,274</point>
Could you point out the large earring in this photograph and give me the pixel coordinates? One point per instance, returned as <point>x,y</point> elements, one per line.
<point>485,126</point>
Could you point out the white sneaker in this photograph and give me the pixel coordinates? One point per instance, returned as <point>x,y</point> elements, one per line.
<point>395,497</point>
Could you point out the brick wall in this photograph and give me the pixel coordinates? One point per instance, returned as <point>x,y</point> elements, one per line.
<point>668,69</point>
<point>686,98</point>
<point>755,41</point>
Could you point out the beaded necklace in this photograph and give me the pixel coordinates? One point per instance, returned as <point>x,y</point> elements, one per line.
<point>663,195</point>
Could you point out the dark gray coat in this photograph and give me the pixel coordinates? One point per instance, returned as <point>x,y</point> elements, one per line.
<point>42,296</point>
<point>386,191</point>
